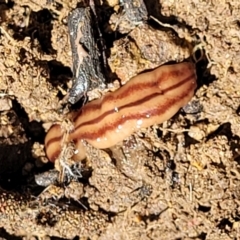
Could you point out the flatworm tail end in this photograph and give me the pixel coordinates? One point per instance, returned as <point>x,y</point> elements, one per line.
<point>53,141</point>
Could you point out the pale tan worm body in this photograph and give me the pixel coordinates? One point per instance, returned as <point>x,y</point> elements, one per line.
<point>148,98</point>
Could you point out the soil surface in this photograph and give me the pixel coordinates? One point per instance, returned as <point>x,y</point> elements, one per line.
<point>176,180</point>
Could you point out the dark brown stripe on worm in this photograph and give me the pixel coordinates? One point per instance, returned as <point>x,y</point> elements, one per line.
<point>129,91</point>
<point>138,102</point>
<point>52,140</point>
<point>160,109</point>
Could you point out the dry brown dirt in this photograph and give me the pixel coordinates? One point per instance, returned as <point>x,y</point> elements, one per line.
<point>176,180</point>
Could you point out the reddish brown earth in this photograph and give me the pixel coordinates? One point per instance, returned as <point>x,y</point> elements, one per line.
<point>177,180</point>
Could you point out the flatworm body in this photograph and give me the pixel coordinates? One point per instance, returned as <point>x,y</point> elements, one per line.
<point>148,98</point>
